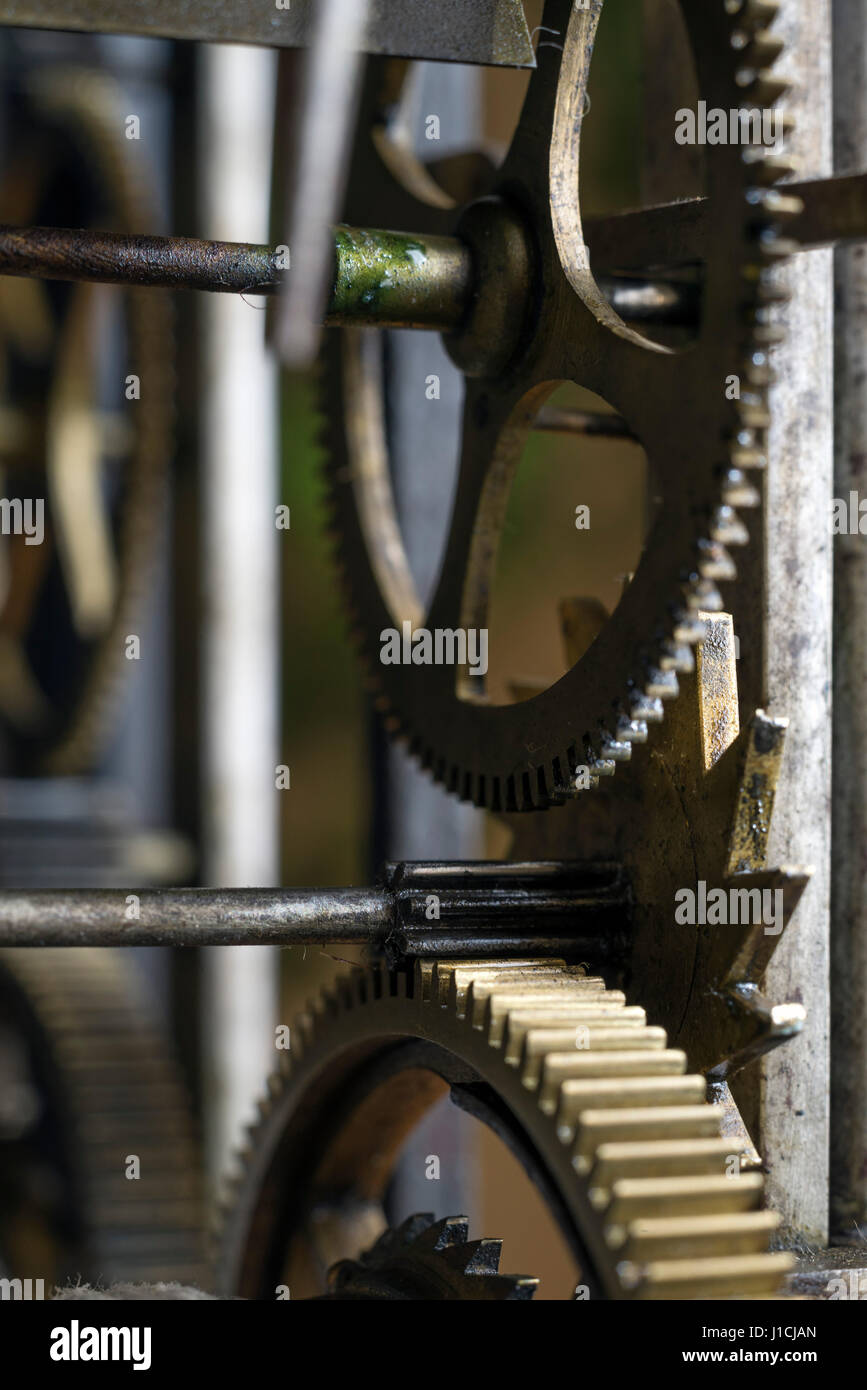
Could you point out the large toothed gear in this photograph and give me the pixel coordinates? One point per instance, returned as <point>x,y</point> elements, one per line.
<point>619,1139</point>
<point>704,450</point>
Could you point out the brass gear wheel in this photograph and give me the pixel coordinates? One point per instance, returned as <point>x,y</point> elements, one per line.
<point>525,229</point>
<point>620,1141</point>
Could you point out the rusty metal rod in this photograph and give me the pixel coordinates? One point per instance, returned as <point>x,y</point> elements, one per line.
<point>386,279</point>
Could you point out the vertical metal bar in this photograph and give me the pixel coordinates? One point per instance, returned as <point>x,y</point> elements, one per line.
<point>794,1098</point>
<point>849,809</point>
<point>240,582</point>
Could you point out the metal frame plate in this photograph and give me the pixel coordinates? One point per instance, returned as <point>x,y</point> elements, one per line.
<point>461,31</point>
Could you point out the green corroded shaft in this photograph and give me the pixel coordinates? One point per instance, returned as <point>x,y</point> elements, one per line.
<point>398,281</point>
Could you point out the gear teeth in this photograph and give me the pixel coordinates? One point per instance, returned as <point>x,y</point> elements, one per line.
<point>758,14</point>
<point>597,1127</point>
<point>714,562</point>
<point>703,595</point>
<point>576,1066</point>
<point>598,766</point>
<point>645,708</point>
<point>773,248</point>
<point>735,1275</point>
<point>768,334</point>
<point>490,1013</point>
<point>441,1235</point>
<point>616,750</point>
<point>767,169</point>
<point>745,459</point>
<point>661,683</point>
<point>727,527</point>
<point>753,412</point>
<point>523,1288</point>
<point>82,1012</point>
<point>529,1038</point>
<point>758,370</point>
<point>776,205</point>
<point>635,1198</point>
<point>576,1097</point>
<point>761,50</point>
<point>761,88</point>
<point>659,1158</point>
<point>429,1241</point>
<point>407,1233</point>
<point>631,730</point>
<point>453,980</point>
<point>695,1237</point>
<point>481,1256</point>
<point>689,628</point>
<point>737,491</point>
<point>676,656</point>
<point>770,292</point>
<point>643,1140</point>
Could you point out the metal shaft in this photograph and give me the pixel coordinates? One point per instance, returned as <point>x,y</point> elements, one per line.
<point>381,278</point>
<point>421,910</point>
<point>192,917</point>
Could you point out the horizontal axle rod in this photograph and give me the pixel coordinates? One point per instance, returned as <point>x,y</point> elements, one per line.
<point>382,279</point>
<point>421,910</point>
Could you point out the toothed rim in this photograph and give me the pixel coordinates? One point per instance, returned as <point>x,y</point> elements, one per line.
<point>642,1187</point>
<point>520,778</point>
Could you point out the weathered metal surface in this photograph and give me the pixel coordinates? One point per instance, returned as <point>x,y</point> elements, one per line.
<point>716,668</point>
<point>113,258</point>
<point>763,757</point>
<point>839,1273</point>
<point>793,1136</point>
<point>392,280</point>
<point>461,31</point>
<point>849,807</point>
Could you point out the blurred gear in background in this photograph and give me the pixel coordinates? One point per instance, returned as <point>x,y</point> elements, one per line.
<point>612,339</point>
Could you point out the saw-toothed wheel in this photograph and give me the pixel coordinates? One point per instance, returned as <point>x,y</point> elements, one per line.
<point>619,1140</point>
<point>539,319</point>
<point>424,1259</point>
